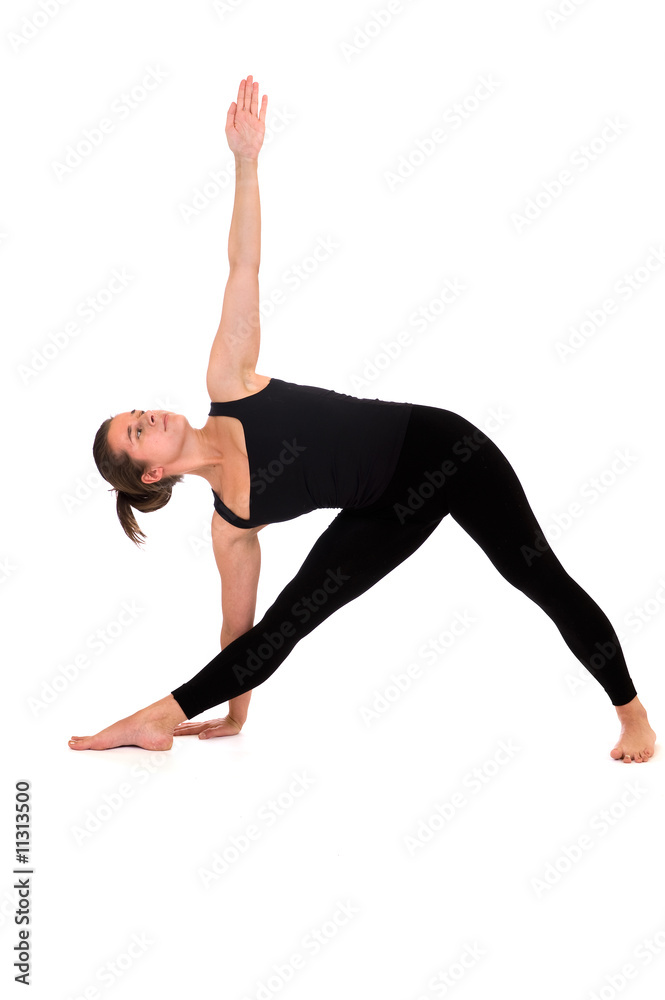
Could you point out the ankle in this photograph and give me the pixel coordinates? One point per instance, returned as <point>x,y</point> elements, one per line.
<point>168,709</point>
<point>632,710</point>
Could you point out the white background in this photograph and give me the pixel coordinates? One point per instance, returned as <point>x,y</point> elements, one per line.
<point>350,99</point>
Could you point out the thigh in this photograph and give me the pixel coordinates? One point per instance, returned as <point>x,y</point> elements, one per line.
<point>355,551</point>
<point>488,500</point>
<point>450,466</point>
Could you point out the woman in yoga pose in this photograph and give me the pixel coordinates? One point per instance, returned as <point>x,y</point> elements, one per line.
<point>272,450</point>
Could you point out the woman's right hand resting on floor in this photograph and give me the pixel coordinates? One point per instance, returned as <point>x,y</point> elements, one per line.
<point>209,728</point>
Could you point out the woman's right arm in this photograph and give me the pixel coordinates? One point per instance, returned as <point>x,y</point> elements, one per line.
<point>238,557</point>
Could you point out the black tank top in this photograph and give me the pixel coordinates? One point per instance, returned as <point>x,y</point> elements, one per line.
<point>310,447</point>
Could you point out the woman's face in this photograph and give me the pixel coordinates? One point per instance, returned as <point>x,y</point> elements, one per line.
<point>154,437</point>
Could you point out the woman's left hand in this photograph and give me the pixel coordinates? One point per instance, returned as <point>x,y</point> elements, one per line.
<point>245,124</point>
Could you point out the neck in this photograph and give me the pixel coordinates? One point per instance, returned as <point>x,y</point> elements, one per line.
<point>204,454</point>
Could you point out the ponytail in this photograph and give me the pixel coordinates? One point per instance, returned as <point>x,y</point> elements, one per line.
<point>124,475</point>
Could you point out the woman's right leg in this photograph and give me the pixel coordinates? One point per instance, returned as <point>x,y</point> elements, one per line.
<point>355,551</point>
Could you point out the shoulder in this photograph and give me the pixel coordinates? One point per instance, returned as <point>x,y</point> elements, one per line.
<point>223,390</point>
<point>225,534</point>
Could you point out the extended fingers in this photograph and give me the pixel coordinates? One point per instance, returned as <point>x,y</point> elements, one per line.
<point>192,728</point>
<point>241,96</point>
<point>248,98</point>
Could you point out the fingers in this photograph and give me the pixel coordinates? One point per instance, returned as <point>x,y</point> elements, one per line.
<point>241,95</point>
<point>248,98</point>
<point>213,731</point>
<point>192,728</point>
<point>245,94</point>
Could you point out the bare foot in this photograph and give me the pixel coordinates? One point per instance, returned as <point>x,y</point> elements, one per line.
<point>637,741</point>
<point>150,728</point>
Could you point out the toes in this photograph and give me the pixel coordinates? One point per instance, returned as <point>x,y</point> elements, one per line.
<point>627,758</point>
<point>617,753</point>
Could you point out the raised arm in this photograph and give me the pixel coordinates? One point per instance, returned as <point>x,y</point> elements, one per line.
<point>235,349</point>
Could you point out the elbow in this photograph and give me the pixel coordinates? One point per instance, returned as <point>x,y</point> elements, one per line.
<point>244,261</point>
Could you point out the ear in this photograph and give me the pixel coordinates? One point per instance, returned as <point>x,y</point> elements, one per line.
<point>153,475</point>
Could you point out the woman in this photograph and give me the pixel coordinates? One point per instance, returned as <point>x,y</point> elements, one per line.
<point>272,450</point>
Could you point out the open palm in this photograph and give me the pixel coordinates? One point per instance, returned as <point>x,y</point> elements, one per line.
<point>245,125</point>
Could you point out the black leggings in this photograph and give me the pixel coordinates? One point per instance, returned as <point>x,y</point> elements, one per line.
<point>447,466</point>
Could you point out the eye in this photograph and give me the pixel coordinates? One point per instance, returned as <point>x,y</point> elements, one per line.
<point>138,433</point>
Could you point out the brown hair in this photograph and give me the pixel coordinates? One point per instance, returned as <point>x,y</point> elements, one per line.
<point>124,475</point>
